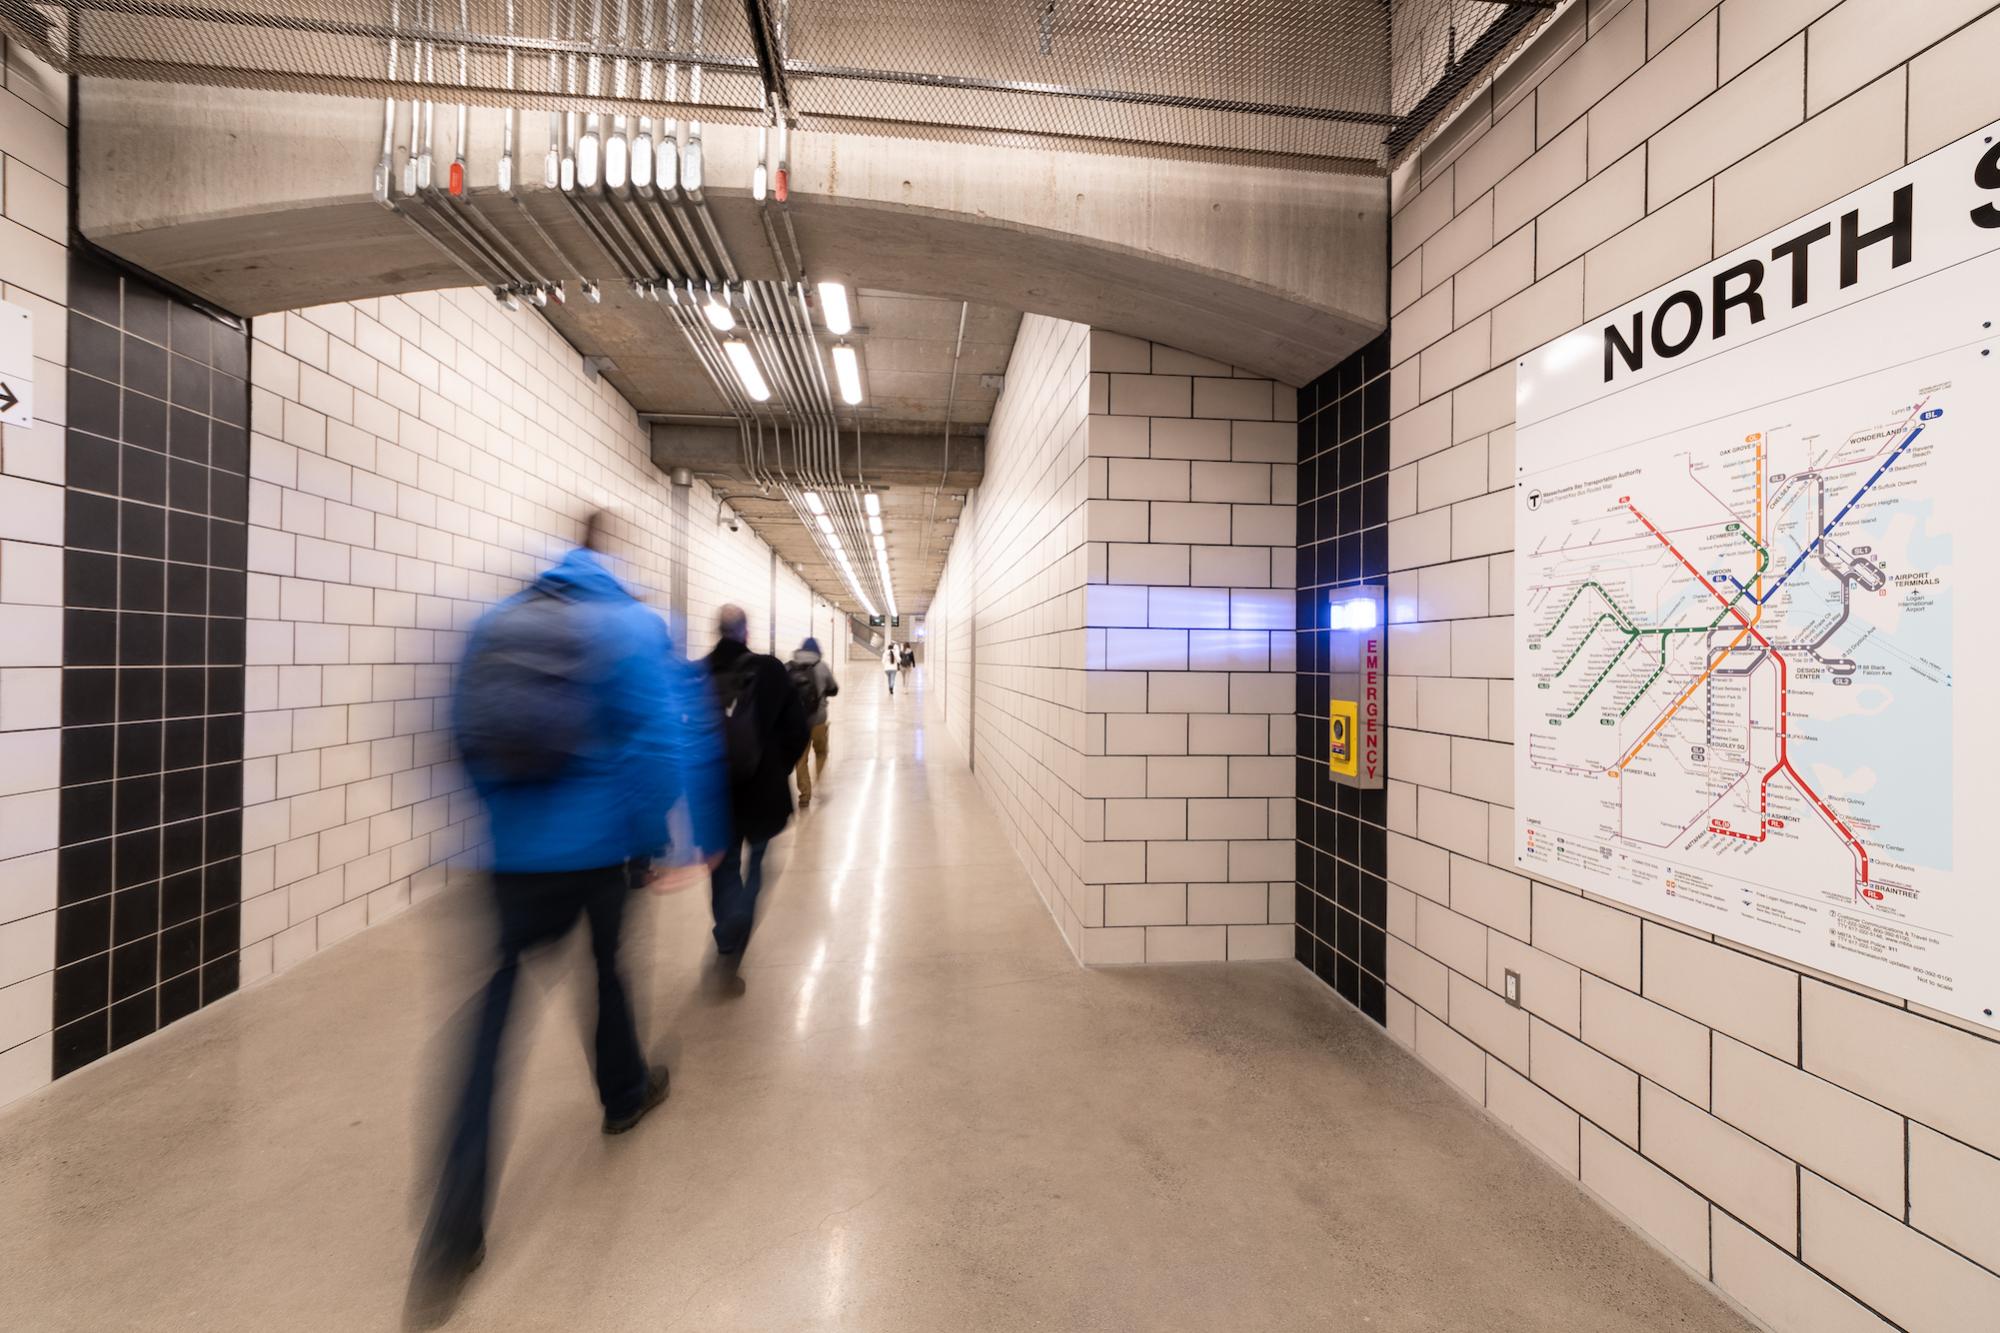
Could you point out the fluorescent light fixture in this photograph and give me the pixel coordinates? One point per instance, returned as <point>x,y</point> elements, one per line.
<point>875,524</point>
<point>720,317</point>
<point>826,523</point>
<point>745,366</point>
<point>872,502</point>
<point>587,161</point>
<point>757,183</point>
<point>666,161</point>
<point>833,308</point>
<point>847,369</point>
<point>814,503</point>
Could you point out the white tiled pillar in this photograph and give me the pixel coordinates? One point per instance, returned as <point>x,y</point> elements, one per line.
<point>34,259</point>
<point>1188,692</point>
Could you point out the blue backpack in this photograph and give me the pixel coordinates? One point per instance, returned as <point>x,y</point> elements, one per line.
<point>527,706</point>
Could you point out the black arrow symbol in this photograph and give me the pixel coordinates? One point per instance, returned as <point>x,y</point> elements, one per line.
<point>7,397</point>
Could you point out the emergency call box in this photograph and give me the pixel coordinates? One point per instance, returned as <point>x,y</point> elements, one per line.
<point>1357,663</point>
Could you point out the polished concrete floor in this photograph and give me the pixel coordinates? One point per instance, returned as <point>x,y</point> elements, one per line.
<point>920,1114</point>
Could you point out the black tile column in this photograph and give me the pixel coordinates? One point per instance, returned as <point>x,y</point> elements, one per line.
<point>1342,901</point>
<point>153,628</point>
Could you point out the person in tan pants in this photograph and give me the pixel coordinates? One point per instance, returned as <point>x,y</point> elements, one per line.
<point>813,679</point>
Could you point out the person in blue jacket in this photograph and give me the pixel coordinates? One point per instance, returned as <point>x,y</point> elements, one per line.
<point>571,838</point>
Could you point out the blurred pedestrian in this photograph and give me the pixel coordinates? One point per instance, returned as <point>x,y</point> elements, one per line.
<point>764,734</point>
<point>889,665</point>
<point>813,680</point>
<point>580,731</point>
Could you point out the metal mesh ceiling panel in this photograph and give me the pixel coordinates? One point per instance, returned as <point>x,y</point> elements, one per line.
<point>1330,81</point>
<point>1296,77</point>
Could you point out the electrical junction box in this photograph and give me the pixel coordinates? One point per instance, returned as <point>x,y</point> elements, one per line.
<point>1357,663</point>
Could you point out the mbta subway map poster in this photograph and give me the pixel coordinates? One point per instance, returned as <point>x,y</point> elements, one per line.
<point>1757,592</point>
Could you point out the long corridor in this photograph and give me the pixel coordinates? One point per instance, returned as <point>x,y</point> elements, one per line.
<point>919,1114</point>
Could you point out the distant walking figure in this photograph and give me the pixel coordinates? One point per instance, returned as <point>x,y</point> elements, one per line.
<point>580,731</point>
<point>889,665</point>
<point>764,733</point>
<point>813,679</point>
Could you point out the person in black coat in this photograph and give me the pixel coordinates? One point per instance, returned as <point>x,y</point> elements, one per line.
<point>764,728</point>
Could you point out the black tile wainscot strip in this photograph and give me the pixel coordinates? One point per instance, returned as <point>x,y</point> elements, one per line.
<point>153,593</point>
<point>1341,896</point>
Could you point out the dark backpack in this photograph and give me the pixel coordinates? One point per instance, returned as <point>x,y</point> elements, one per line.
<point>742,729</point>
<point>526,703</point>
<point>805,681</point>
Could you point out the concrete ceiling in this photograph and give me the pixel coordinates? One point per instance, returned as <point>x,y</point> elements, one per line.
<point>914,391</point>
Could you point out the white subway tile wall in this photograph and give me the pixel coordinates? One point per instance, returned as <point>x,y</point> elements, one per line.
<point>1188,795</point>
<point>1816,1151</point>
<point>1127,569</point>
<point>34,274</point>
<point>1013,583</point>
<point>413,460</point>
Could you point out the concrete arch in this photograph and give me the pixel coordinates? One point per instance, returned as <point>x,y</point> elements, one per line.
<point>263,201</point>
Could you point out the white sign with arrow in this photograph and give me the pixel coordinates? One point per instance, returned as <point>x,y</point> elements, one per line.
<point>17,366</point>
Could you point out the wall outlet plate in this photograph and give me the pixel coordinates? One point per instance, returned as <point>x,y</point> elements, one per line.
<point>1513,988</point>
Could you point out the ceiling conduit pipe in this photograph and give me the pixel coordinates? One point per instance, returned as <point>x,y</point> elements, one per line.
<point>631,271</point>
<point>628,169</point>
<point>552,163</point>
<point>510,116</point>
<point>785,370</point>
<point>591,180</point>
<point>385,165</point>
<point>551,290</point>
<point>798,322</point>
<point>569,87</point>
<point>428,195</point>
<point>707,350</point>
<point>452,220</point>
<point>809,418</point>
<point>691,163</point>
<point>785,273</point>
<point>950,394</point>
<point>386,194</point>
<point>642,141</point>
<point>562,153</point>
<point>654,205</point>
<point>527,278</point>
<point>667,148</point>
<point>810,414</point>
<point>618,144</point>
<point>667,175</point>
<point>429,48</point>
<point>455,178</point>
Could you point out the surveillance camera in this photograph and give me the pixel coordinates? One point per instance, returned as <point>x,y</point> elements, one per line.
<point>734,525</point>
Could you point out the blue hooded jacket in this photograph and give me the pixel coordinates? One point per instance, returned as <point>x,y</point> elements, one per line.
<point>657,744</point>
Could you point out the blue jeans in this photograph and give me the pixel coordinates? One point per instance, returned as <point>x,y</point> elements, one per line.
<point>734,889</point>
<point>533,910</point>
